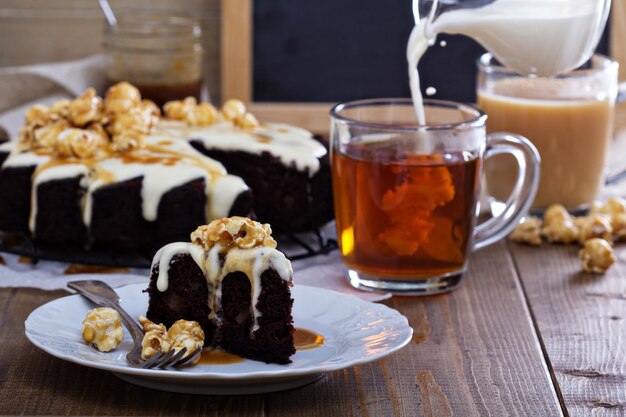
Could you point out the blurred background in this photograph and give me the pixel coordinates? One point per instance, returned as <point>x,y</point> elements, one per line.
<point>38,31</point>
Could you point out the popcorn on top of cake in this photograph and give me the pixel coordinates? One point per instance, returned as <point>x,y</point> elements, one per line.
<point>234,231</point>
<point>205,114</point>
<point>89,125</point>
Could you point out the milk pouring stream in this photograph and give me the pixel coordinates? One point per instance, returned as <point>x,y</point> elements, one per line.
<point>531,37</point>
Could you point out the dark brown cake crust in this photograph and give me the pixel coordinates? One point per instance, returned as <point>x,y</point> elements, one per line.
<point>283,196</point>
<point>272,342</point>
<point>186,296</point>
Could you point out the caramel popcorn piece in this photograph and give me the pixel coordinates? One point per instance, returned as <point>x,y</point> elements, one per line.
<point>79,143</point>
<point>618,223</point>
<point>85,109</point>
<point>151,113</point>
<point>558,225</point>
<point>178,109</point>
<point>128,121</point>
<point>122,97</point>
<point>234,231</point>
<point>103,329</point>
<point>59,110</point>
<point>614,205</point>
<point>528,231</point>
<point>127,141</point>
<point>192,113</point>
<point>232,109</point>
<point>596,256</point>
<point>595,226</point>
<point>204,114</point>
<point>155,338</point>
<point>186,334</point>
<point>246,121</point>
<point>37,115</point>
<point>46,137</point>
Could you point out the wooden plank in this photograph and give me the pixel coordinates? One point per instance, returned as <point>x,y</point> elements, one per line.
<point>617,40</point>
<point>236,49</point>
<point>311,116</point>
<point>474,353</point>
<point>582,322</point>
<point>33,382</point>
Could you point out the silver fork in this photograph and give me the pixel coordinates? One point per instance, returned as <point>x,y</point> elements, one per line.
<point>103,295</point>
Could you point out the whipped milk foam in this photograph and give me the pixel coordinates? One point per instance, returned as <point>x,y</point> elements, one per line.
<point>531,37</point>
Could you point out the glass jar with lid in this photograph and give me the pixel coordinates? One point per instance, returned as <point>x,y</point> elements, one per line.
<point>161,55</point>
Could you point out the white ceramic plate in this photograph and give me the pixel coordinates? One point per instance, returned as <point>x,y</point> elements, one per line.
<point>355,332</point>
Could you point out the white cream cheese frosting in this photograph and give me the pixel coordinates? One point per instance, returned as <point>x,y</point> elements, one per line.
<point>291,145</point>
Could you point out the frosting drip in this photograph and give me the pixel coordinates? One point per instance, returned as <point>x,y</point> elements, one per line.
<point>251,262</point>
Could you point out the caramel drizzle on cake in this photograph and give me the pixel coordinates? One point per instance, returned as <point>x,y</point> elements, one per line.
<point>235,244</point>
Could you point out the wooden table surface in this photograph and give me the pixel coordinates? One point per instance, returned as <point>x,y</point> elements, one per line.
<point>526,334</point>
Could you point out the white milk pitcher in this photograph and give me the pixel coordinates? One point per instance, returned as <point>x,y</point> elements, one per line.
<point>531,37</point>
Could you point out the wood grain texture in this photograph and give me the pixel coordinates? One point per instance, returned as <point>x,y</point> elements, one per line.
<point>617,40</point>
<point>35,383</point>
<point>474,354</point>
<point>582,322</point>
<point>236,47</point>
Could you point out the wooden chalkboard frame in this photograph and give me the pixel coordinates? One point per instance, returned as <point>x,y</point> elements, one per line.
<point>236,72</point>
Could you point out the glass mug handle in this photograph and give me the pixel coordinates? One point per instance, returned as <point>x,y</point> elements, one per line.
<point>523,193</point>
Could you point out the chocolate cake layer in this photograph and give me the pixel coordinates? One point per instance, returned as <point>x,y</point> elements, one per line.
<point>285,197</point>
<point>273,341</point>
<point>186,296</point>
<point>60,217</point>
<point>15,186</point>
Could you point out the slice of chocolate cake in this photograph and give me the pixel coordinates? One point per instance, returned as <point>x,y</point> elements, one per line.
<point>232,281</point>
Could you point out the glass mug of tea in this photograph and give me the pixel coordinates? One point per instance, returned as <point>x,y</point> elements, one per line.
<point>406,195</point>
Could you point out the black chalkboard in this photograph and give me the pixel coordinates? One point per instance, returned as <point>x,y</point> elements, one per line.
<point>335,50</point>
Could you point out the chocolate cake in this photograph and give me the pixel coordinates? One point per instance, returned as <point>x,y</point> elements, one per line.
<point>113,174</point>
<point>234,283</point>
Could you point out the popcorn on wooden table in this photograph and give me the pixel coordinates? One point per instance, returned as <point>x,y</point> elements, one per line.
<point>528,231</point>
<point>596,256</point>
<point>558,225</point>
